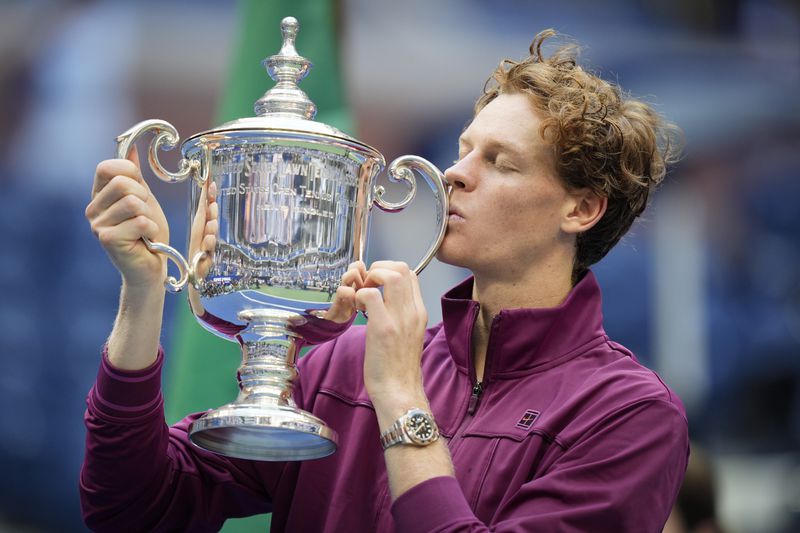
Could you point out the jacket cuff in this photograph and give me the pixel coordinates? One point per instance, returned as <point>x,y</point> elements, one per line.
<point>432,505</point>
<point>127,394</point>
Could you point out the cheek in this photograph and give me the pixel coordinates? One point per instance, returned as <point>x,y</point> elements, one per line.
<point>533,203</point>
<point>537,213</point>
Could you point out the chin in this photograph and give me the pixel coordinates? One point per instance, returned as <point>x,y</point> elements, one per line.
<point>448,257</point>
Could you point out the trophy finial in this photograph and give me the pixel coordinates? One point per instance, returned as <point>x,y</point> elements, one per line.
<point>289,27</point>
<point>287,68</point>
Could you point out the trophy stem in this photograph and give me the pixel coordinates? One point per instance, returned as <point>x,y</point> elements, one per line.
<point>264,424</point>
<point>268,371</point>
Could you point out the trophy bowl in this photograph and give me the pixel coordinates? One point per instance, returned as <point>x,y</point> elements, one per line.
<point>294,199</point>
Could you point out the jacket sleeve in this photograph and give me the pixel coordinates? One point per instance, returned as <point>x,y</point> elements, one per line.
<point>622,476</point>
<point>141,475</point>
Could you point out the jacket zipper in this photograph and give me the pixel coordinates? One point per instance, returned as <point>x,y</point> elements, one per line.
<point>477,390</point>
<point>474,398</point>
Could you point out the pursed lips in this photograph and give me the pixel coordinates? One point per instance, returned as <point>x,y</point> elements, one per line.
<point>455,214</point>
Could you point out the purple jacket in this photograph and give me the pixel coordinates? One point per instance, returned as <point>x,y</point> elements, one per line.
<point>567,432</point>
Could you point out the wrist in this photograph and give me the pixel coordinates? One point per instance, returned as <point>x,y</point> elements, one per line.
<point>415,427</point>
<point>133,344</point>
<point>391,406</point>
<point>136,294</point>
<point>147,274</point>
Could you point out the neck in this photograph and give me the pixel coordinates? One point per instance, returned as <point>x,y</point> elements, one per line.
<point>542,287</point>
<point>545,288</point>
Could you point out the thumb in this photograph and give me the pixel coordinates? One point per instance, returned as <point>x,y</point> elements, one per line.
<point>133,156</point>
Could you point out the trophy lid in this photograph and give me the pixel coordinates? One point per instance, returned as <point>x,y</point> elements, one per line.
<point>286,107</point>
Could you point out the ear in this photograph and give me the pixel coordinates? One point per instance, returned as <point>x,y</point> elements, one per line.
<point>584,209</point>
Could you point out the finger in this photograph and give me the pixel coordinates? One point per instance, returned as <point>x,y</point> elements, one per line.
<point>355,274</point>
<point>359,270</point>
<point>343,306</point>
<point>352,278</point>
<point>212,228</point>
<point>115,190</point>
<point>107,170</point>
<point>382,277</point>
<point>383,272</point>
<point>417,290</point>
<point>127,232</point>
<point>397,266</point>
<point>371,302</point>
<point>398,292</point>
<point>200,218</point>
<point>358,265</point>
<point>209,244</point>
<point>419,303</point>
<point>212,208</point>
<point>126,208</point>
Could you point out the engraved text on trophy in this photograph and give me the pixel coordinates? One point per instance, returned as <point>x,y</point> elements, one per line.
<point>286,219</point>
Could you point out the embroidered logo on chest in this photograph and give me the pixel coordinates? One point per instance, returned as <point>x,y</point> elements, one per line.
<point>527,419</point>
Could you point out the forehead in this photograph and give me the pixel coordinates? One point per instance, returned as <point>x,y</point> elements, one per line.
<point>510,121</point>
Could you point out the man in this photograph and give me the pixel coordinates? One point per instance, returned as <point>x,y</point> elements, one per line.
<point>546,424</point>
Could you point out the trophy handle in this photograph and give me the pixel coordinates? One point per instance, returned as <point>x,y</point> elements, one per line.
<point>401,170</point>
<point>166,137</point>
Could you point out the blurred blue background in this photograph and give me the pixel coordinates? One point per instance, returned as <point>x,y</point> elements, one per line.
<point>705,289</point>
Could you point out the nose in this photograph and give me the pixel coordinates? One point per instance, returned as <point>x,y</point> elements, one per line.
<point>457,175</point>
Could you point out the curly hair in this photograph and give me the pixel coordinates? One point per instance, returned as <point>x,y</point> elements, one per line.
<point>615,145</point>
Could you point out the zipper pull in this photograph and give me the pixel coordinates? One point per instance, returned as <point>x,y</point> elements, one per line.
<point>477,390</point>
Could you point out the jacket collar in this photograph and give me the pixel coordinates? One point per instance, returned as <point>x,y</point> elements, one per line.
<point>524,340</point>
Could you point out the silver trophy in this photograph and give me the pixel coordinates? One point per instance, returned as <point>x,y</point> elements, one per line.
<point>294,199</point>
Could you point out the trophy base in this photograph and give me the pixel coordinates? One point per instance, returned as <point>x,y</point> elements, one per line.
<point>263,433</point>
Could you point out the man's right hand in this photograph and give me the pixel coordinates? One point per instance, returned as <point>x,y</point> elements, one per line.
<point>121,212</point>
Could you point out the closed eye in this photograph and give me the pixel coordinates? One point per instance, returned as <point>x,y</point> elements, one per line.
<point>505,167</point>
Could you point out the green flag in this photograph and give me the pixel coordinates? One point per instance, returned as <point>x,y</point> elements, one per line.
<point>201,371</point>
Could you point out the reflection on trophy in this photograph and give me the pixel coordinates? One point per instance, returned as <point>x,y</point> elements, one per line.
<point>294,198</point>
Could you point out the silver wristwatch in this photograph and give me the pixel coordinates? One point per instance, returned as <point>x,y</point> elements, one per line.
<point>416,427</point>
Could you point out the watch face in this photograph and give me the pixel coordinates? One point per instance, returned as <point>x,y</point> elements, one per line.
<point>419,428</point>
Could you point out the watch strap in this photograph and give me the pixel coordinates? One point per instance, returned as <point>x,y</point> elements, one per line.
<point>394,435</point>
